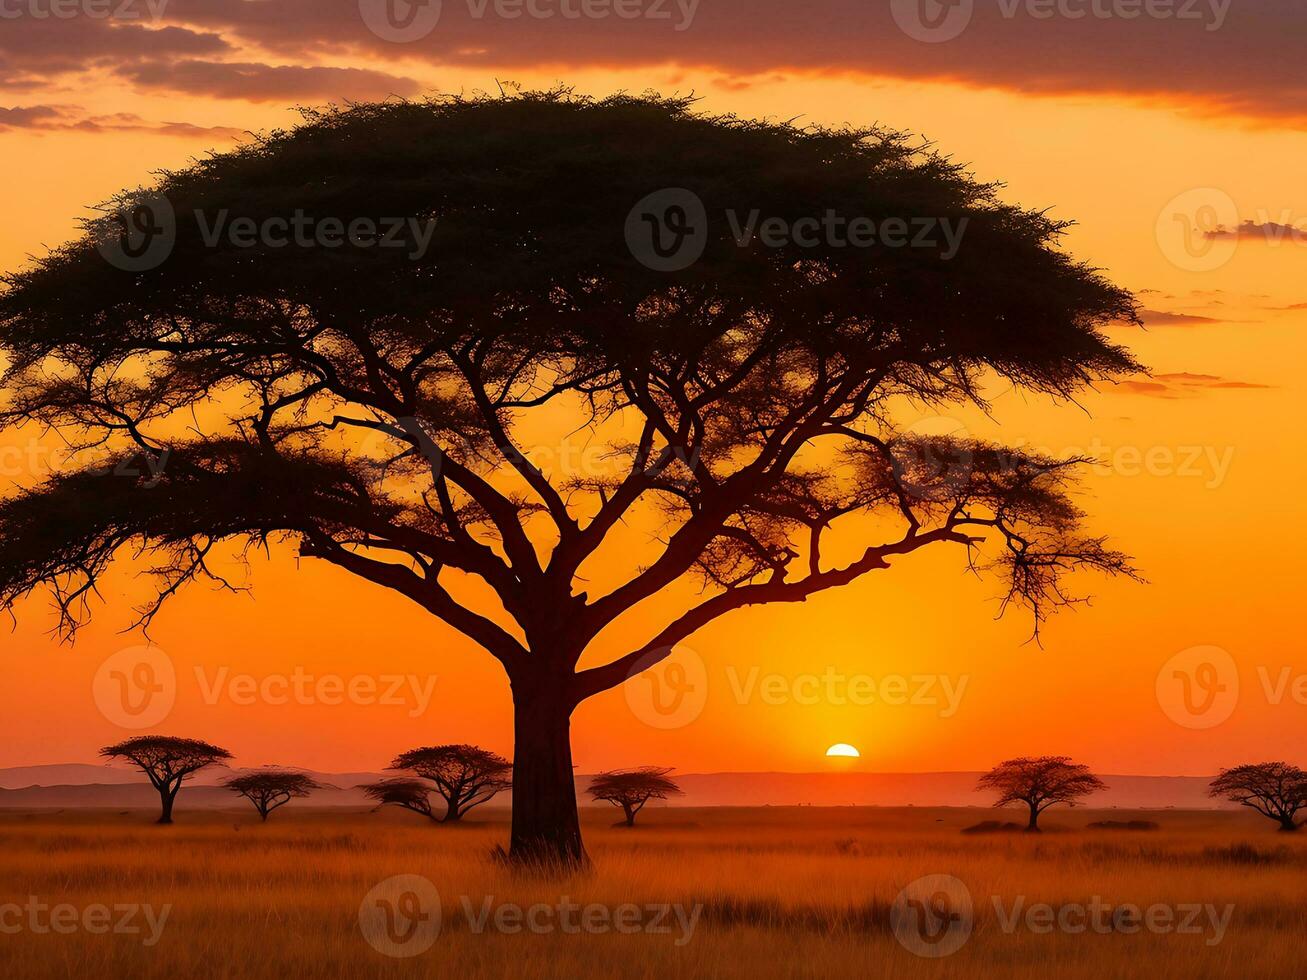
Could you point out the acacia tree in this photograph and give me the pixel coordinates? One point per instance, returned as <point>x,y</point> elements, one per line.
<point>411,794</point>
<point>1274,789</point>
<point>367,406</point>
<point>166,761</point>
<point>631,789</point>
<point>1039,783</point>
<point>269,789</point>
<point>464,775</point>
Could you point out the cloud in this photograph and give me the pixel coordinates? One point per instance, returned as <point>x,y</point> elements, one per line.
<point>264,83</point>
<point>1162,318</point>
<point>1182,384</point>
<point>71,118</point>
<point>1271,232</point>
<point>33,53</point>
<point>1206,55</point>
<point>1209,56</point>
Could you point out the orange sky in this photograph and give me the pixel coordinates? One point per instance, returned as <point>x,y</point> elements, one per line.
<point>1203,464</point>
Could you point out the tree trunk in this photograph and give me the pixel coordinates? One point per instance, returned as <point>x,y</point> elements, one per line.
<point>1287,824</point>
<point>166,799</point>
<point>546,829</point>
<point>1033,826</point>
<point>630,815</point>
<point>451,812</point>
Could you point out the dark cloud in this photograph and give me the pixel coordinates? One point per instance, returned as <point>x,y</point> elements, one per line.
<point>1163,318</point>
<point>35,52</point>
<point>1272,232</point>
<point>71,118</point>
<point>263,83</point>
<point>1182,384</point>
<point>1214,58</point>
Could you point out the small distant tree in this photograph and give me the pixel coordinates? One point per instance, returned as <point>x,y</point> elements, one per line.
<point>1274,789</point>
<point>268,789</point>
<point>166,761</point>
<point>1039,783</point>
<point>465,775</point>
<point>631,789</point>
<point>411,794</point>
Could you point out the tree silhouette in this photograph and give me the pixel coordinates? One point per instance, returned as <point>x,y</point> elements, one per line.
<point>464,775</point>
<point>166,761</point>
<point>370,406</point>
<point>631,789</point>
<point>1274,789</point>
<point>411,794</point>
<point>1040,783</point>
<point>269,789</point>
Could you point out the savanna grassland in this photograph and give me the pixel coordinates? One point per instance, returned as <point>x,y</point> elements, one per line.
<point>766,892</point>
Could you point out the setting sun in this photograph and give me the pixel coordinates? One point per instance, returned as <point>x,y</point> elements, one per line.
<point>843,750</point>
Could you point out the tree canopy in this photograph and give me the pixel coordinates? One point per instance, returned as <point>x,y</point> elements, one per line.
<point>371,406</point>
<point>1040,783</point>
<point>465,776</point>
<point>269,789</point>
<point>167,761</point>
<point>1274,789</point>
<point>631,789</point>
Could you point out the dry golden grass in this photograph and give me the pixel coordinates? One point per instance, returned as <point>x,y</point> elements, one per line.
<point>784,892</point>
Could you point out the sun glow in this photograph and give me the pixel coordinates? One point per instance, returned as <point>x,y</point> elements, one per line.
<point>843,750</point>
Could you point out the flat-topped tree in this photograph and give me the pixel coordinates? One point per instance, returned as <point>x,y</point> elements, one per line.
<point>1039,783</point>
<point>631,789</point>
<point>411,794</point>
<point>369,405</point>
<point>167,761</point>
<point>465,776</point>
<point>269,789</point>
<point>1274,789</point>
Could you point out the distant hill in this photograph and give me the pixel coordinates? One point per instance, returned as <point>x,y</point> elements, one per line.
<point>81,785</point>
